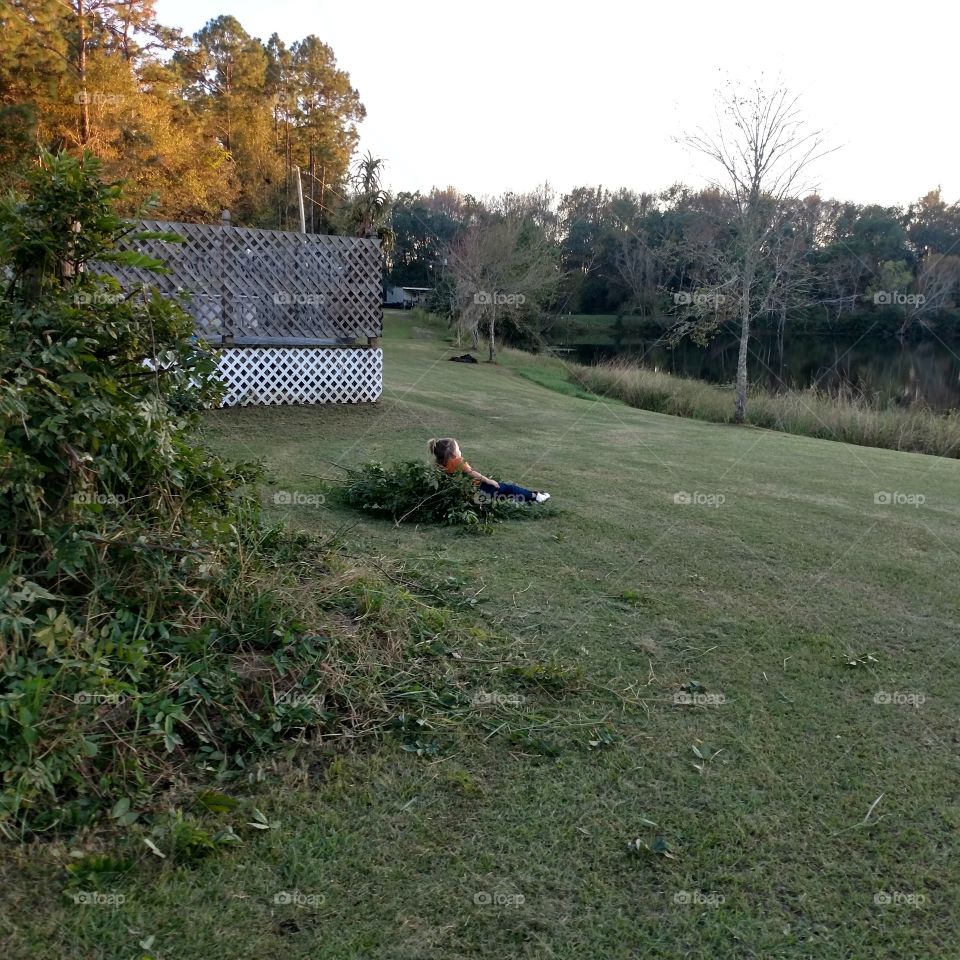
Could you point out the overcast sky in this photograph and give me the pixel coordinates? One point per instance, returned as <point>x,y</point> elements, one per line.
<point>492,96</point>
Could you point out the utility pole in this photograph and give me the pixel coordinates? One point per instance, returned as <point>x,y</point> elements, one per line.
<point>313,180</point>
<point>303,219</point>
<point>323,192</point>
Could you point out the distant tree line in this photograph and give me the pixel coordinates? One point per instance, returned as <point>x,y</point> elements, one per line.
<point>221,119</point>
<point>853,268</point>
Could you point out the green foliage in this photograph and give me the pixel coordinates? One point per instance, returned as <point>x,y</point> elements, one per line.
<point>152,628</point>
<point>411,491</point>
<point>189,842</point>
<point>97,869</point>
<point>115,523</point>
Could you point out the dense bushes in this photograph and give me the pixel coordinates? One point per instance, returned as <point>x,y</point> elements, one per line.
<point>151,627</point>
<point>121,538</point>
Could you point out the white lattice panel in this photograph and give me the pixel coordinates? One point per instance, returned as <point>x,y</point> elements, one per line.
<point>276,375</point>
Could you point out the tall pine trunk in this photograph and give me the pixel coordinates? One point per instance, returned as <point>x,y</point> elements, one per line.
<point>82,71</point>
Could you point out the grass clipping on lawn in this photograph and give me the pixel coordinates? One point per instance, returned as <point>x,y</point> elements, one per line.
<point>411,491</point>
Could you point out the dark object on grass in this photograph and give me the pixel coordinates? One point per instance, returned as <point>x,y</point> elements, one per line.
<point>465,358</point>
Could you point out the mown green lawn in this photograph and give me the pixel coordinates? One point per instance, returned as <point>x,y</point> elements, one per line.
<point>782,601</point>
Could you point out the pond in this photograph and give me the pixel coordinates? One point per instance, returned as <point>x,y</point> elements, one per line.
<point>926,372</point>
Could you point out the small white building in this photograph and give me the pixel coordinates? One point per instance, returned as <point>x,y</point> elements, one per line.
<point>406,297</point>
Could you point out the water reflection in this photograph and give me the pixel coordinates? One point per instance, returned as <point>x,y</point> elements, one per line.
<point>918,373</point>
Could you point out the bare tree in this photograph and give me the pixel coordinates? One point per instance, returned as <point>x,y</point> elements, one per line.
<point>500,269</point>
<point>938,285</point>
<point>640,269</point>
<point>763,151</point>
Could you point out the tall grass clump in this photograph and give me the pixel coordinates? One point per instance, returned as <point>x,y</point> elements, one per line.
<point>847,416</point>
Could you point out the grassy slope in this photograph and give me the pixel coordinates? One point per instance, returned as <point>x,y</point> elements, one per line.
<point>763,599</point>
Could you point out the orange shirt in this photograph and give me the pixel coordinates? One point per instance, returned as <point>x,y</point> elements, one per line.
<point>458,463</point>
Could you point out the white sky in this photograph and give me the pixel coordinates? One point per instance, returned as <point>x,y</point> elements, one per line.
<point>494,95</point>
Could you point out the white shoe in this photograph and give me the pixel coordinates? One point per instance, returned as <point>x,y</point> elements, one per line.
<point>540,496</point>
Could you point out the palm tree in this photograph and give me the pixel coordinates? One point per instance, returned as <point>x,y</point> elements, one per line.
<point>368,210</point>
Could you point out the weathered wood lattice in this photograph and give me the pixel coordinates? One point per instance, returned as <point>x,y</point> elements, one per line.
<point>246,285</point>
<point>275,304</point>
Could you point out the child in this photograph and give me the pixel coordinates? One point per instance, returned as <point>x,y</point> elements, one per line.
<point>448,456</point>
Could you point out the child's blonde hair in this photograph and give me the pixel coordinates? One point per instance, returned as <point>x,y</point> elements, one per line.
<point>442,449</point>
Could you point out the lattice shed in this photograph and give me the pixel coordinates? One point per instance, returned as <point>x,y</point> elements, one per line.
<point>296,318</point>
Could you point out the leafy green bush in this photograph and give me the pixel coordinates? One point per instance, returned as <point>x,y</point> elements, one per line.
<point>117,529</point>
<point>152,629</point>
<point>411,491</point>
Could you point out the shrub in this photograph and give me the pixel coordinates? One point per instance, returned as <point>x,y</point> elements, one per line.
<point>152,628</point>
<point>416,492</point>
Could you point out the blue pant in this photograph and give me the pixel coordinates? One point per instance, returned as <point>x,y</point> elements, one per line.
<point>507,490</point>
